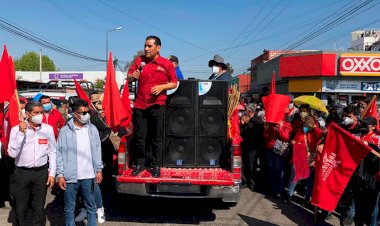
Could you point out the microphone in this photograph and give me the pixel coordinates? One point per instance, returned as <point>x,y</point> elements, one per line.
<point>142,65</point>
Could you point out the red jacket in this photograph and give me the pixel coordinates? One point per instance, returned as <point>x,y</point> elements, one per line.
<point>273,133</point>
<point>55,119</point>
<point>313,137</point>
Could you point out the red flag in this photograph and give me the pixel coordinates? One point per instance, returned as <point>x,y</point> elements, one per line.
<point>82,94</point>
<point>275,104</point>
<point>372,111</point>
<point>127,103</point>
<point>7,77</point>
<point>12,118</point>
<point>1,120</point>
<point>114,110</point>
<point>301,165</point>
<point>341,155</point>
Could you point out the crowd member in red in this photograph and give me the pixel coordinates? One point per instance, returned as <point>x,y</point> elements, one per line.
<point>276,162</point>
<point>309,136</point>
<point>154,79</point>
<point>51,116</point>
<point>367,189</point>
<point>351,122</point>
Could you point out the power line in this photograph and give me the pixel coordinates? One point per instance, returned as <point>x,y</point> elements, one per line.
<point>249,24</point>
<point>152,26</point>
<point>75,18</point>
<point>13,29</point>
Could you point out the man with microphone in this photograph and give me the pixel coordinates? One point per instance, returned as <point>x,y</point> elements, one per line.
<point>154,79</point>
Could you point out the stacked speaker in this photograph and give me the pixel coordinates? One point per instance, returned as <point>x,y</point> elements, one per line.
<point>195,124</point>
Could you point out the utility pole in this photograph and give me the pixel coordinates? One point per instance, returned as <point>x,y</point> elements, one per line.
<point>40,65</point>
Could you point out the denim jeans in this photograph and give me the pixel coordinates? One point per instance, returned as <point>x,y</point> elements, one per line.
<point>87,188</point>
<point>98,196</point>
<point>292,184</point>
<point>276,165</point>
<point>375,211</point>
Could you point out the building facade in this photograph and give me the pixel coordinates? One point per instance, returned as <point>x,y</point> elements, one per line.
<point>335,77</point>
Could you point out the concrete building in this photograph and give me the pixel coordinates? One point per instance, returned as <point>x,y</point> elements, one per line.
<point>362,40</point>
<point>47,76</point>
<point>243,82</point>
<point>335,77</point>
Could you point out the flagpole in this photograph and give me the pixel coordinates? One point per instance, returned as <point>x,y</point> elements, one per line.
<point>18,105</point>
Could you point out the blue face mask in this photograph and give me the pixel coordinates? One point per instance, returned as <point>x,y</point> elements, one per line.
<point>306,129</point>
<point>47,107</point>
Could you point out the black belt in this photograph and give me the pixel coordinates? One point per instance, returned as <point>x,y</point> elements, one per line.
<point>34,168</point>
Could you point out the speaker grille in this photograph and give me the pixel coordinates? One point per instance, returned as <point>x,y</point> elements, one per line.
<point>179,152</point>
<point>209,151</point>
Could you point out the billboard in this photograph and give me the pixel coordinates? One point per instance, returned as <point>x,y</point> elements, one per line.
<point>359,64</point>
<point>57,76</point>
<point>308,65</point>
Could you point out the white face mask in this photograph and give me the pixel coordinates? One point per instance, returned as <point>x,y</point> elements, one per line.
<point>84,118</point>
<point>37,119</point>
<point>348,121</point>
<point>23,113</point>
<point>215,69</point>
<point>303,114</point>
<point>290,106</point>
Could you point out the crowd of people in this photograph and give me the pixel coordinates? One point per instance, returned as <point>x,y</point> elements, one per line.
<point>70,145</point>
<point>279,159</point>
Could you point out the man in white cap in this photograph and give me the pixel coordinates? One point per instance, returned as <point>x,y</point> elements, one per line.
<point>219,69</point>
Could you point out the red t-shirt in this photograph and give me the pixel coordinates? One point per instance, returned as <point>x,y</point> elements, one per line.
<point>157,72</point>
<point>55,119</point>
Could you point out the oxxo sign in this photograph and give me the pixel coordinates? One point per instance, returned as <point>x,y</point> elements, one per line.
<point>360,64</point>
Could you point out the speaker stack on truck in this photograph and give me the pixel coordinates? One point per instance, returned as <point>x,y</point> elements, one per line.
<point>195,124</point>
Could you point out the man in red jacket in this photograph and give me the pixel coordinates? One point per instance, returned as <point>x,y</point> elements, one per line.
<point>276,162</point>
<point>51,116</point>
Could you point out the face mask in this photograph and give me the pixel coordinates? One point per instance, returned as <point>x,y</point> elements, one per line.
<point>215,69</point>
<point>84,118</point>
<point>305,129</point>
<point>23,113</point>
<point>290,106</point>
<point>47,107</point>
<point>240,114</point>
<point>348,121</point>
<point>303,114</point>
<point>37,119</point>
<point>364,130</point>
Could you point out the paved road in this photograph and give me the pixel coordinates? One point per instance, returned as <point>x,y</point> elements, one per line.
<point>253,209</point>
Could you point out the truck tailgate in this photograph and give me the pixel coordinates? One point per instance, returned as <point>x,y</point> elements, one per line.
<point>208,176</point>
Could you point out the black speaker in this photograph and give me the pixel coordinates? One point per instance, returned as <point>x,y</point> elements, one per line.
<point>213,96</point>
<point>210,150</point>
<point>180,125</point>
<point>212,122</point>
<point>179,151</point>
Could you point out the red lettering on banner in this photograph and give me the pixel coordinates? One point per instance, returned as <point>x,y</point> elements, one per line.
<point>359,65</point>
<point>42,141</point>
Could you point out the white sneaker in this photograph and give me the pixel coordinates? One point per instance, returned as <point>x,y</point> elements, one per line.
<point>81,216</point>
<point>101,216</point>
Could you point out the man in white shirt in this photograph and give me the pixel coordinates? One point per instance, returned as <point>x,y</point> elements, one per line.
<point>32,144</point>
<point>79,163</point>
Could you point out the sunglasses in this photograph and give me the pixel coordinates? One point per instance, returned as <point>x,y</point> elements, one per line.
<point>83,113</point>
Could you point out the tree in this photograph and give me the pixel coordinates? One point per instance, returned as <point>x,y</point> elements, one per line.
<point>129,64</point>
<point>99,83</point>
<point>30,62</point>
<point>229,69</point>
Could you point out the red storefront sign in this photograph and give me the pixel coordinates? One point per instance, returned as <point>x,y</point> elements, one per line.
<point>307,65</point>
<point>359,64</point>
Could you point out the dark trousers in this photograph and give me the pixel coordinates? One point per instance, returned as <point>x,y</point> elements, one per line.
<point>6,170</point>
<point>29,187</point>
<point>149,131</point>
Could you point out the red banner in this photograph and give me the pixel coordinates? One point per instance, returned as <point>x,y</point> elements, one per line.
<point>301,165</point>
<point>334,167</point>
